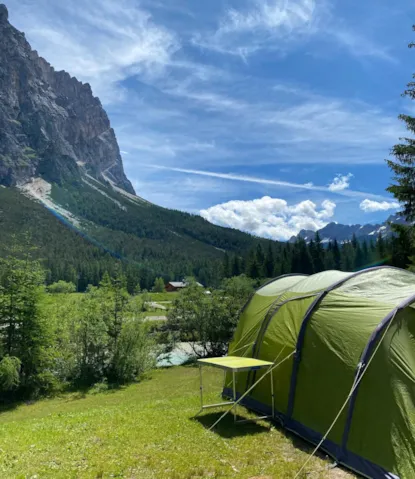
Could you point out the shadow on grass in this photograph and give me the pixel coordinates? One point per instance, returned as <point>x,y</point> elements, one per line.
<point>10,406</point>
<point>227,428</point>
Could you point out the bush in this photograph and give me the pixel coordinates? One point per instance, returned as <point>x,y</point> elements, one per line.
<point>61,287</point>
<point>134,354</point>
<point>9,373</point>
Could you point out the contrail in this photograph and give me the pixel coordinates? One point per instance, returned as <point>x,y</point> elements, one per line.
<point>264,181</point>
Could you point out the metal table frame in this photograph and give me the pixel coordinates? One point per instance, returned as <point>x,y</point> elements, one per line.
<point>252,365</point>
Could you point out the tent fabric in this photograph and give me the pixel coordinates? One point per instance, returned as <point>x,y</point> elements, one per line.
<point>334,321</point>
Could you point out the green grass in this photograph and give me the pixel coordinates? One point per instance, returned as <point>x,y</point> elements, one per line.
<point>162,296</point>
<point>146,430</point>
<point>157,312</point>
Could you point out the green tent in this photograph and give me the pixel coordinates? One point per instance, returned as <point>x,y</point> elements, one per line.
<point>334,322</point>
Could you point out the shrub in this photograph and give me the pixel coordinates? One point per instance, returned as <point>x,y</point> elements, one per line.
<point>61,287</point>
<point>9,373</point>
<point>134,354</point>
<point>208,321</point>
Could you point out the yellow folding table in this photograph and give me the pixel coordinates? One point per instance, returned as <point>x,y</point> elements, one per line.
<point>234,364</point>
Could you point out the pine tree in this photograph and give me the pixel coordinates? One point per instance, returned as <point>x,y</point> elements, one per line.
<point>158,285</point>
<point>367,259</point>
<point>380,249</point>
<point>318,259</point>
<point>260,259</point>
<point>336,255</point>
<point>269,262</point>
<point>227,273</point>
<point>236,266</point>
<point>347,257</point>
<point>359,259</point>
<point>404,166</point>
<point>24,332</point>
<point>301,259</point>
<point>329,257</point>
<point>402,246</point>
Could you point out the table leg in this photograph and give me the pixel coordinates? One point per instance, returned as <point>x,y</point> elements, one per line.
<point>201,386</point>
<point>234,394</point>
<point>272,394</point>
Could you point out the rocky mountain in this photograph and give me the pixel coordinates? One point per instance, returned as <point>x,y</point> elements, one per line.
<point>51,125</point>
<point>344,233</point>
<point>62,181</point>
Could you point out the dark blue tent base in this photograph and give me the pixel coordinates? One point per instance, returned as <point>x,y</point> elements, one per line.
<point>346,458</point>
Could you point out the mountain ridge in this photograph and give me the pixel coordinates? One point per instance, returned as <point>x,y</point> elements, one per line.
<point>341,232</point>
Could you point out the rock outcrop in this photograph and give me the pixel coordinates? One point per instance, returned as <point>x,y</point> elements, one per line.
<point>51,125</point>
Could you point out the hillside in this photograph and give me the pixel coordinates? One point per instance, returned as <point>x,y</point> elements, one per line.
<point>57,148</point>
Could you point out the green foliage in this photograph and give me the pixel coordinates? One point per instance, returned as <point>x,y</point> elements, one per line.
<point>134,353</point>
<point>9,373</point>
<point>208,321</point>
<point>308,258</point>
<point>404,165</point>
<point>90,340</point>
<point>239,288</point>
<point>158,285</point>
<point>48,342</point>
<point>403,189</point>
<point>62,287</point>
<point>24,332</point>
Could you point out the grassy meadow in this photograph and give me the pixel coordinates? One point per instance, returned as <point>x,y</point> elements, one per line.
<point>146,430</point>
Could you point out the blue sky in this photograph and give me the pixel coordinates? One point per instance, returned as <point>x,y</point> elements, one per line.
<point>266,115</point>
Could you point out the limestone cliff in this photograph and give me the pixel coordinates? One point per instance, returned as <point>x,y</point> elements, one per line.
<point>51,125</point>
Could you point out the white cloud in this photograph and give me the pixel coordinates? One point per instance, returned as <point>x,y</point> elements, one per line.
<point>370,206</point>
<point>359,46</point>
<point>270,15</point>
<point>242,32</point>
<point>265,181</point>
<point>277,24</point>
<point>340,182</point>
<point>100,41</point>
<point>271,217</point>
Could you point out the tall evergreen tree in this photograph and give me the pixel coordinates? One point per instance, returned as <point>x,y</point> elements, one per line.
<point>269,262</point>
<point>359,260</point>
<point>24,333</point>
<point>236,266</point>
<point>301,258</point>
<point>404,165</point>
<point>380,249</point>
<point>318,258</point>
<point>336,255</point>
<point>227,273</point>
<point>347,257</point>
